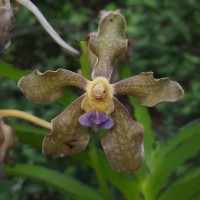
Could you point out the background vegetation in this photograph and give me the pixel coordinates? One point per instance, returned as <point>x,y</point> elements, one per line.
<point>164,38</point>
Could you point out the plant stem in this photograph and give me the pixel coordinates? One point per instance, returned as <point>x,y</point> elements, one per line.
<point>33,8</point>
<point>96,162</point>
<point>26,116</point>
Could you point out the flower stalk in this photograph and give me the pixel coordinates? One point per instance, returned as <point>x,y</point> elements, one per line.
<point>33,8</point>
<point>26,116</point>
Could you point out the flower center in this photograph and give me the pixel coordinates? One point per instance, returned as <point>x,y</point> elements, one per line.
<point>96,119</point>
<point>99,96</point>
<point>99,91</point>
<point>99,88</point>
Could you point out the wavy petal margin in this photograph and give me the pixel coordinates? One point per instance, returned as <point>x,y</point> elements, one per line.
<point>109,44</point>
<point>123,144</point>
<point>45,87</point>
<point>67,136</point>
<point>147,90</point>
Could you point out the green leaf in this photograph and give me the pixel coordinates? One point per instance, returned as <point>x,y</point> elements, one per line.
<point>196,196</point>
<point>174,154</point>
<point>11,72</point>
<point>65,184</point>
<point>124,71</point>
<point>85,67</point>
<point>100,173</point>
<point>184,134</point>
<point>185,187</point>
<point>30,135</point>
<point>68,97</point>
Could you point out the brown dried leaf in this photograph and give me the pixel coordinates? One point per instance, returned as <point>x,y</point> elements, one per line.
<point>47,86</point>
<point>67,136</point>
<point>123,144</point>
<point>9,140</point>
<point>149,91</point>
<point>6,22</point>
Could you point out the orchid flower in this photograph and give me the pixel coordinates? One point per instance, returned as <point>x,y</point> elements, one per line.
<point>8,140</point>
<point>98,107</point>
<point>6,22</point>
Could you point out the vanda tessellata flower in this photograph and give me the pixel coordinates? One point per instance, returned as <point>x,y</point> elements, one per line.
<point>98,107</point>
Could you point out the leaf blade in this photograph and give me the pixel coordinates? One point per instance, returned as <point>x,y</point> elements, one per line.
<point>9,71</point>
<point>189,183</point>
<point>60,182</point>
<point>181,148</point>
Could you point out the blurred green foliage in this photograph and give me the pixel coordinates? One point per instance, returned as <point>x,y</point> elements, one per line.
<point>164,38</point>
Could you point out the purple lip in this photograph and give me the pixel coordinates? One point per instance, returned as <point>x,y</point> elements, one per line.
<point>96,118</point>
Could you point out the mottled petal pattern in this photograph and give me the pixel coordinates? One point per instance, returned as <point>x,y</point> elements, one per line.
<point>96,118</point>
<point>147,90</point>
<point>45,87</point>
<point>67,136</point>
<point>109,44</point>
<point>123,144</point>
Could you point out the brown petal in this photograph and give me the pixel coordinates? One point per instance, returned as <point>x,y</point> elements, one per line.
<point>149,91</point>
<point>67,136</point>
<point>123,144</point>
<point>47,86</point>
<point>109,44</point>
<point>8,141</point>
